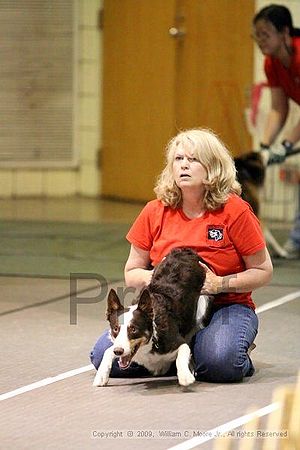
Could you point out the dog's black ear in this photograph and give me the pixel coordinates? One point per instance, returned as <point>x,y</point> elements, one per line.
<point>250,167</point>
<point>113,304</point>
<point>145,302</point>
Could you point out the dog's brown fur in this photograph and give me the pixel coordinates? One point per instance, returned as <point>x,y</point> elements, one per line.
<point>251,175</point>
<point>174,292</point>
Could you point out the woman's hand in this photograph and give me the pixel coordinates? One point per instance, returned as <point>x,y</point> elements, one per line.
<point>258,272</point>
<point>148,276</point>
<point>213,283</point>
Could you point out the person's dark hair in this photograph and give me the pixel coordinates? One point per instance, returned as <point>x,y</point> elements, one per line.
<point>279,16</point>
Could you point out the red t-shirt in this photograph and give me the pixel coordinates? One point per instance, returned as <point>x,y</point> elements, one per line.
<point>286,78</point>
<point>220,237</point>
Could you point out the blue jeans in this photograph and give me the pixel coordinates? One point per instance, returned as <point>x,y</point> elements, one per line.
<point>295,232</point>
<point>219,350</point>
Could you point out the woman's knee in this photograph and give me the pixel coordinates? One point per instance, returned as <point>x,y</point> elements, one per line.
<point>102,344</point>
<point>219,368</point>
<point>221,349</point>
<point>227,365</point>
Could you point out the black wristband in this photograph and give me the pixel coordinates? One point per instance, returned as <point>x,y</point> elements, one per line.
<point>287,145</point>
<point>263,146</point>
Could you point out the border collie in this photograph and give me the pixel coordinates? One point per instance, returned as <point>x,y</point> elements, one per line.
<point>157,329</point>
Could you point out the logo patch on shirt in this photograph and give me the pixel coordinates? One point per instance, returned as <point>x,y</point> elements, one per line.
<point>215,234</point>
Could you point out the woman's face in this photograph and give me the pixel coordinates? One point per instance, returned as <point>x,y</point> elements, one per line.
<point>268,38</point>
<point>188,172</point>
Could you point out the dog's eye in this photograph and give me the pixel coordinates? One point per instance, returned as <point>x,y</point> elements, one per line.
<point>132,329</point>
<point>116,329</point>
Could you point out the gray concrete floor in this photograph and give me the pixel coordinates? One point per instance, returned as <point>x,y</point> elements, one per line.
<point>38,341</point>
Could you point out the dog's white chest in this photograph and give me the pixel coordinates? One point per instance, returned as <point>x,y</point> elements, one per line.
<point>156,363</point>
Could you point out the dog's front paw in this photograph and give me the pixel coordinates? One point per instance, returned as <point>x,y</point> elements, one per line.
<point>186,378</point>
<point>101,378</point>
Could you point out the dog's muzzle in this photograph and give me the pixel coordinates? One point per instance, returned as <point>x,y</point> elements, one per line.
<point>118,351</point>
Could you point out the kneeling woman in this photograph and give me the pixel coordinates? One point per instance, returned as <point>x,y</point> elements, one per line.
<point>198,205</point>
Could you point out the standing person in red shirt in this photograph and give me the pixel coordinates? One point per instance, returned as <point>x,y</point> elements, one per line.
<point>198,206</point>
<point>279,42</point>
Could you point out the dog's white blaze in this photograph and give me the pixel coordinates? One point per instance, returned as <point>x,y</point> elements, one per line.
<point>122,341</point>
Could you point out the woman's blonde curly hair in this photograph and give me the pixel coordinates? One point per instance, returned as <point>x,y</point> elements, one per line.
<point>212,153</point>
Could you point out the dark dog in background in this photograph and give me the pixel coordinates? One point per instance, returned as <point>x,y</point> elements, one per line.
<point>251,171</point>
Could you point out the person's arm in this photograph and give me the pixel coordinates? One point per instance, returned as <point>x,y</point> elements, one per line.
<point>293,135</point>
<point>136,270</point>
<point>276,117</point>
<point>258,273</point>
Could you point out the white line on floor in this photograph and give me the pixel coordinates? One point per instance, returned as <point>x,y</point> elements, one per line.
<point>45,382</point>
<point>212,434</point>
<point>218,431</point>
<point>280,301</point>
<point>71,373</point>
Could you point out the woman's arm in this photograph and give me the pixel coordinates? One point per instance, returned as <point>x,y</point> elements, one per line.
<point>293,135</point>
<point>136,270</point>
<point>258,273</point>
<point>276,117</point>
